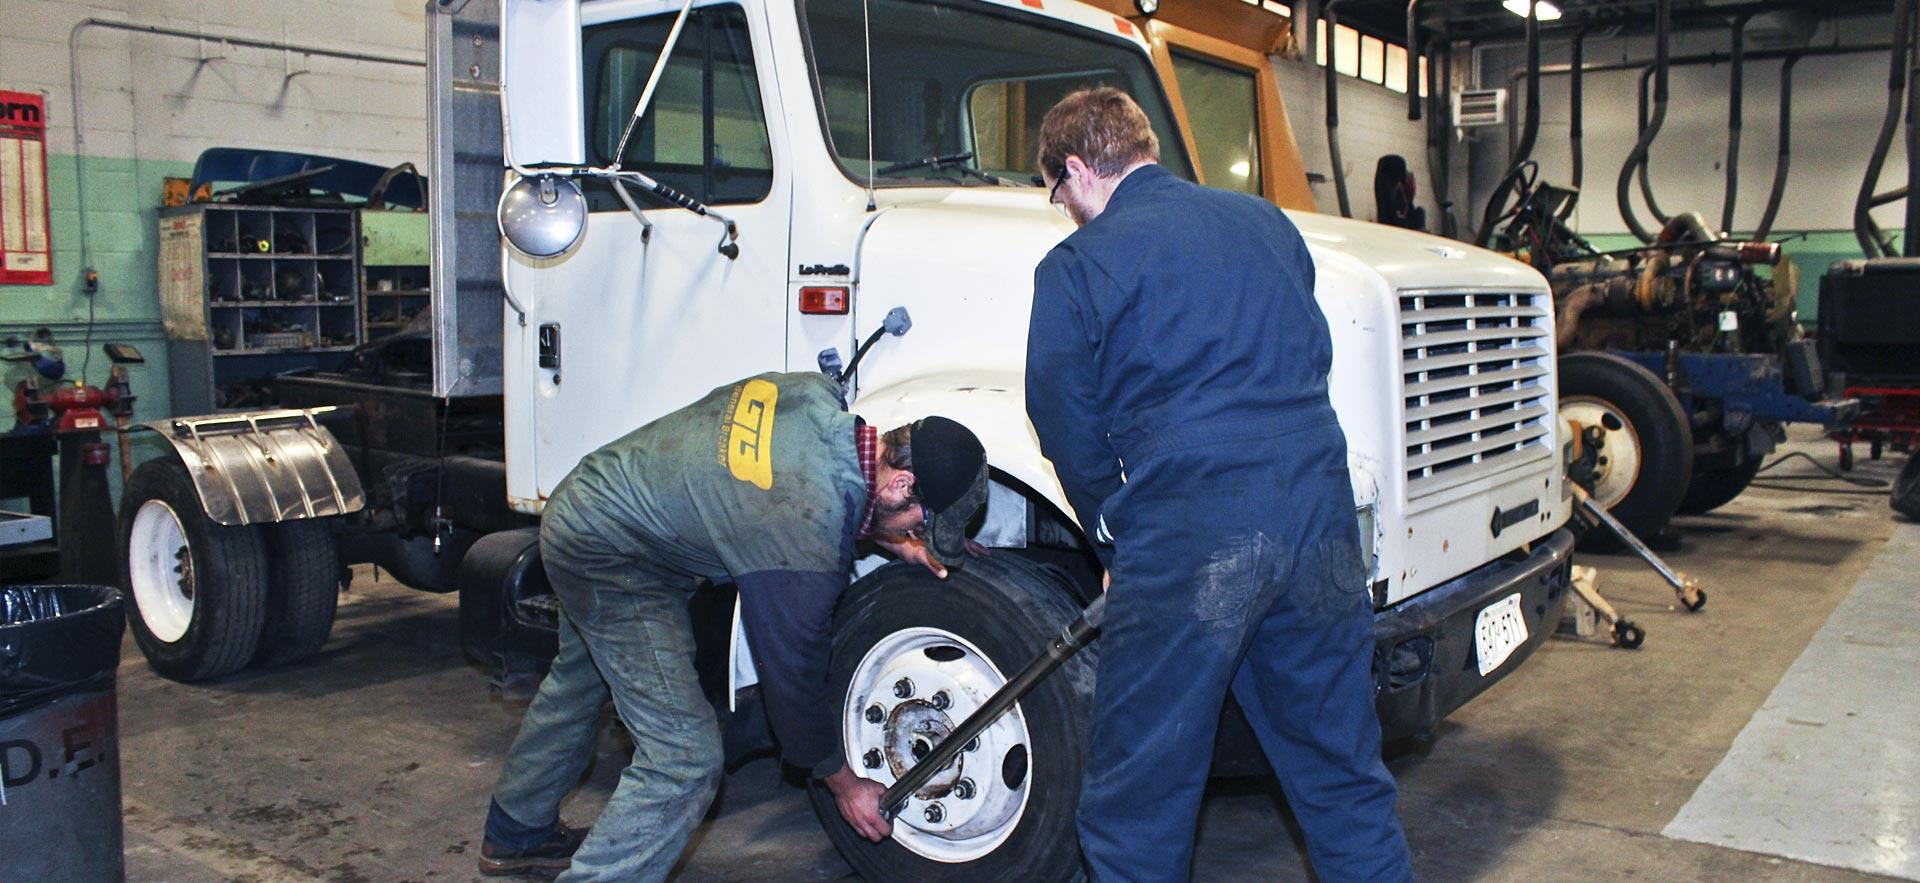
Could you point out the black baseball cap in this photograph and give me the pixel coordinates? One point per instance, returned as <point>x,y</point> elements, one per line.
<point>950,469</point>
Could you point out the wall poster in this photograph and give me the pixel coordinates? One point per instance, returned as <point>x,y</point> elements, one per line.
<point>26,247</point>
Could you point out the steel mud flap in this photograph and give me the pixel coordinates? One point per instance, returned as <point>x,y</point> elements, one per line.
<point>1425,663</point>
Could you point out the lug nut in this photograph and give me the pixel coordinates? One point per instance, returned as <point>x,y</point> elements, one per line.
<point>903,688</point>
<point>963,789</point>
<point>935,813</point>
<point>941,701</point>
<point>973,744</point>
<point>875,715</point>
<point>871,759</point>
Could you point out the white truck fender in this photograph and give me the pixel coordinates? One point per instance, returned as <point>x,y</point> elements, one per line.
<point>992,404</point>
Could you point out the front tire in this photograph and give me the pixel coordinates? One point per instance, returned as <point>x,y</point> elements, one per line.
<point>196,590</point>
<point>1647,447</point>
<point>953,642</point>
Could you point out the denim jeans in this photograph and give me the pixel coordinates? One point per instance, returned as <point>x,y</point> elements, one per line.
<point>625,634</point>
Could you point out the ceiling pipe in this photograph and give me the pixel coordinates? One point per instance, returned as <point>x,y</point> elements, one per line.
<point>1783,155</point>
<point>1663,10</point>
<point>1735,82</point>
<point>1871,243</point>
<point>1331,16</point>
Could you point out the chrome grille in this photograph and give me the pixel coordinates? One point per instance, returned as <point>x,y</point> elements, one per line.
<point>1475,385</point>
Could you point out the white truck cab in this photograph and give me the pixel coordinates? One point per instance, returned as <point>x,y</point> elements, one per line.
<point>868,156</point>
<point>725,187</point>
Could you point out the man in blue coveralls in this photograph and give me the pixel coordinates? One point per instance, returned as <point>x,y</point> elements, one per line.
<point>1177,377</point>
<point>766,483</point>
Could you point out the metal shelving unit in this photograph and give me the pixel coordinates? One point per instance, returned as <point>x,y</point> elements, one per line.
<point>249,291</point>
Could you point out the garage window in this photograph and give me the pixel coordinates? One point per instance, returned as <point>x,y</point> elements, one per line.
<point>705,133</point>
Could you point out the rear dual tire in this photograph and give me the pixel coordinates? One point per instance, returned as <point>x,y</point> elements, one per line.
<point>205,599</point>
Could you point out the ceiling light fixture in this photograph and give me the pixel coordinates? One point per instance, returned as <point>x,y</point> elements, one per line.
<point>1546,11</point>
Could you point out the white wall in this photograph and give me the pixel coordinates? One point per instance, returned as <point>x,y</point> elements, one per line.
<point>154,97</point>
<point>1837,106</point>
<point>1373,123</point>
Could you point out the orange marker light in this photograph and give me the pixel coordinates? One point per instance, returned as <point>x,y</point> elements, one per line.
<point>824,301</point>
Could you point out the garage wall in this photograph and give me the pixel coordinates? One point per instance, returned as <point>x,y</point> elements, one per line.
<point>1837,109</point>
<point>151,104</point>
<point>1373,123</point>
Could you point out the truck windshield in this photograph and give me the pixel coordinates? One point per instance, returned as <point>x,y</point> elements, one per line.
<point>962,78</point>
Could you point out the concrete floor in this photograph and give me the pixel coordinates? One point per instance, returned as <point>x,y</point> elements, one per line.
<point>374,760</point>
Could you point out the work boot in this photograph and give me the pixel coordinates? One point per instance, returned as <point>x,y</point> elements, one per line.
<point>548,857</point>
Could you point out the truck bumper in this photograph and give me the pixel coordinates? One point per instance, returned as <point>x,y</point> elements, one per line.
<point>1425,663</point>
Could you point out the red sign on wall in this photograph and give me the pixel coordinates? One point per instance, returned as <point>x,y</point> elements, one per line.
<point>26,246</point>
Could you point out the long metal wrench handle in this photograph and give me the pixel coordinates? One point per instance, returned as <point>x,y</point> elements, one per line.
<point>1686,587</point>
<point>1071,639</point>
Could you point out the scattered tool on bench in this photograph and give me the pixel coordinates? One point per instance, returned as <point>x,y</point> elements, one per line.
<point>1685,588</point>
<point>1071,639</point>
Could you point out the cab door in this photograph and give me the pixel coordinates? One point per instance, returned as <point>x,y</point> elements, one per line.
<point>647,313</point>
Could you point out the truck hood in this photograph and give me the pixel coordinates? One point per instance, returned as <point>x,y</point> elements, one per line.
<point>1412,260</point>
<point>961,261</point>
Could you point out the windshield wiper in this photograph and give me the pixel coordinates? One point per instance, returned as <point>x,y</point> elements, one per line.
<point>955,161</point>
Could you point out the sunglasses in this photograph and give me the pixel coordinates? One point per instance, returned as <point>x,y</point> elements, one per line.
<point>1059,178</point>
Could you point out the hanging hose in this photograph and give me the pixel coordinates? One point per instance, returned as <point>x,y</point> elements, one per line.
<point>1910,228</point>
<point>1663,13</point>
<point>1332,75</point>
<point>1574,126</point>
<point>1871,243</point>
<point>1783,153</point>
<point>1646,188</point>
<point>1523,149</point>
<point>1413,60</point>
<point>1736,55</point>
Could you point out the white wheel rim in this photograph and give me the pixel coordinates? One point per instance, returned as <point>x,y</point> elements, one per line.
<point>161,569</point>
<point>1620,452</point>
<point>938,822</point>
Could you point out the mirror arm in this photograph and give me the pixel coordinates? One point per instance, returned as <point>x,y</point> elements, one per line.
<point>646,226</point>
<point>653,81</point>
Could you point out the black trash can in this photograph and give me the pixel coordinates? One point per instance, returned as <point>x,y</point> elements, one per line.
<point>59,734</point>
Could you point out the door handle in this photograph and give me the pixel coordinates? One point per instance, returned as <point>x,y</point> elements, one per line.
<point>549,356</point>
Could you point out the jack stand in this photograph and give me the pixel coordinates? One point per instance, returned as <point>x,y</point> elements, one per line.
<point>1588,609</point>
<point>1685,588</point>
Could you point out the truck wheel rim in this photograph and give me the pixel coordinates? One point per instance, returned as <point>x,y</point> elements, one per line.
<point>1615,478</point>
<point>924,682</point>
<point>160,567</point>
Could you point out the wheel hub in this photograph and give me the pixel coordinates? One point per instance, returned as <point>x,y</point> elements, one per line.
<point>1617,468</point>
<point>160,569</point>
<point>907,694</point>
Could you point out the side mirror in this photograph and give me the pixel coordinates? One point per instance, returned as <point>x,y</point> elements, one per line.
<point>542,216</point>
<point>540,83</point>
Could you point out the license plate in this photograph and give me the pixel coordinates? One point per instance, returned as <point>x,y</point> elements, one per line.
<point>1498,630</point>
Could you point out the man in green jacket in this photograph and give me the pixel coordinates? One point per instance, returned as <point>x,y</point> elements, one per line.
<point>766,483</point>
